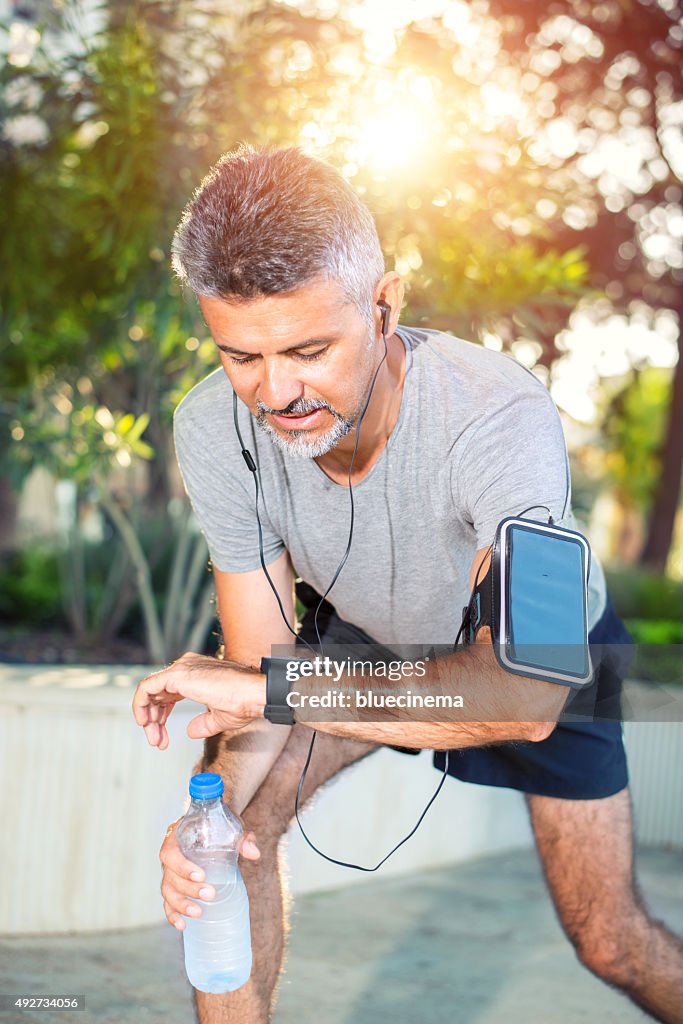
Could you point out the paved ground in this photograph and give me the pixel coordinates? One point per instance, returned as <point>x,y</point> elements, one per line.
<point>474,944</point>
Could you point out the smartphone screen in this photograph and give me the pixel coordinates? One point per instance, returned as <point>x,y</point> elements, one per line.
<point>547,615</point>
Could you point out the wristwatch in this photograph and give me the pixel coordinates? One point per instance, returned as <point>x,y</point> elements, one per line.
<point>277,709</point>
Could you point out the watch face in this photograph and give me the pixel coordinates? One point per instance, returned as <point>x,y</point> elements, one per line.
<point>544,621</point>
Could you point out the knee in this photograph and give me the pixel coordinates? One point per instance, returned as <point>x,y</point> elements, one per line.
<point>604,958</point>
<point>605,947</point>
<point>266,817</point>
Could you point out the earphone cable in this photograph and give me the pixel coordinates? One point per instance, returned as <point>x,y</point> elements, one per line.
<point>253,468</point>
<point>350,486</point>
<point>334,860</point>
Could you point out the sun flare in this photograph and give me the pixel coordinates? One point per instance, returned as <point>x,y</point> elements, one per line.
<point>391,142</point>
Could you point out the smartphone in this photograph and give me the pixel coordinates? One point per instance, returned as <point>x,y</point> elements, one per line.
<point>542,614</point>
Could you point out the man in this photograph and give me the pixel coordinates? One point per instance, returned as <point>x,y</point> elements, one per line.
<point>287,267</point>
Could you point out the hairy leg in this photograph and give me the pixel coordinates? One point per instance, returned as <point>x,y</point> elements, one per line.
<point>244,759</point>
<point>268,814</point>
<point>586,847</point>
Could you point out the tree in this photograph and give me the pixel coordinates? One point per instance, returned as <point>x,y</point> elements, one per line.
<point>610,75</point>
<point>558,138</point>
<point>483,122</point>
<point>98,344</point>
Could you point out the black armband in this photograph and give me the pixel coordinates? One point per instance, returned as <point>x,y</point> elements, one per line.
<point>479,612</point>
<point>534,598</point>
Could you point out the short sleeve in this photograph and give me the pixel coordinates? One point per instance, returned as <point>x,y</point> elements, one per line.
<point>513,457</point>
<point>223,504</point>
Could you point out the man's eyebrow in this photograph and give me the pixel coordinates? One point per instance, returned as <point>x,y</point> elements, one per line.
<point>293,348</point>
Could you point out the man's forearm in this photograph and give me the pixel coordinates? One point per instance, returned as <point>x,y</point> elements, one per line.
<point>485,704</point>
<point>434,735</point>
<point>463,700</point>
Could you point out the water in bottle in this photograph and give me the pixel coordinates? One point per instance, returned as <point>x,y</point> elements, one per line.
<point>217,944</point>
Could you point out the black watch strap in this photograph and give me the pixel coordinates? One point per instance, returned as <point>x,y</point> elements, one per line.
<point>277,709</point>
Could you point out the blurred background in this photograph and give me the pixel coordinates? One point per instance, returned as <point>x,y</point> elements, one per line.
<point>523,161</point>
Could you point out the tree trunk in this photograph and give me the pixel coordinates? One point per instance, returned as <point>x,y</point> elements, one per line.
<point>155,639</point>
<point>665,505</point>
<point>8,515</point>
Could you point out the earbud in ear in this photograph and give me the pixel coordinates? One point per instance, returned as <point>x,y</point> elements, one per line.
<point>386,313</point>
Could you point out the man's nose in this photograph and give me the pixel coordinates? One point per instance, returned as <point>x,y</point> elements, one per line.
<point>279,386</point>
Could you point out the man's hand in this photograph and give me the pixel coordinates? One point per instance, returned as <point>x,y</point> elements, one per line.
<point>234,696</point>
<point>183,882</point>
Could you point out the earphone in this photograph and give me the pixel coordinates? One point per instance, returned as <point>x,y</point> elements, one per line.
<point>252,466</point>
<point>386,314</point>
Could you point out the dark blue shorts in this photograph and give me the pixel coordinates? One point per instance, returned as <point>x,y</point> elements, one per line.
<point>580,760</point>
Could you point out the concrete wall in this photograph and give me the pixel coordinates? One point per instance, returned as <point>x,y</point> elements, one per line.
<point>85,802</point>
<point>655,754</point>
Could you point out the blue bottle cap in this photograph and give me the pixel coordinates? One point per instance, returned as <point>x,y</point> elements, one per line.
<point>206,786</point>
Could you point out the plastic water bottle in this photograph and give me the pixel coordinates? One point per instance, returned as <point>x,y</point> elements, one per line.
<point>217,944</point>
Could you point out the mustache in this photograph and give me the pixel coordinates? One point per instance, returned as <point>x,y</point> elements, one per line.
<point>299,407</point>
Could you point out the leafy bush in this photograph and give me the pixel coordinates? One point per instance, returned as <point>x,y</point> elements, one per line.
<point>641,595</point>
<point>30,587</point>
<point>657,663</point>
<point>90,591</point>
<point>655,631</point>
<point>651,606</point>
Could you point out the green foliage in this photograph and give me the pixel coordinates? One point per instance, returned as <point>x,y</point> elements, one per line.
<point>30,587</point>
<point>81,442</point>
<point>656,631</point>
<point>651,606</point>
<point>657,660</point>
<point>633,430</point>
<point>473,285</point>
<point>134,115</point>
<point>97,343</point>
<point>34,591</point>
<point>641,595</point>
<point>138,114</point>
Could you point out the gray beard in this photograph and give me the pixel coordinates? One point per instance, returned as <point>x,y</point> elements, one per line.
<point>292,443</point>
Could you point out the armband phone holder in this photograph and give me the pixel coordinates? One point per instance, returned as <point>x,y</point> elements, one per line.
<point>534,598</point>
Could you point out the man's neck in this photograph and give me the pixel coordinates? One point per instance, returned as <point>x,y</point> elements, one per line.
<point>378,423</point>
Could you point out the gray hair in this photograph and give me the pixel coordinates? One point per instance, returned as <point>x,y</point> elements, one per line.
<point>269,221</point>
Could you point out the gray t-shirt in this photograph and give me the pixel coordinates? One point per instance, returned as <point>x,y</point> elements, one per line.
<point>477,438</point>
